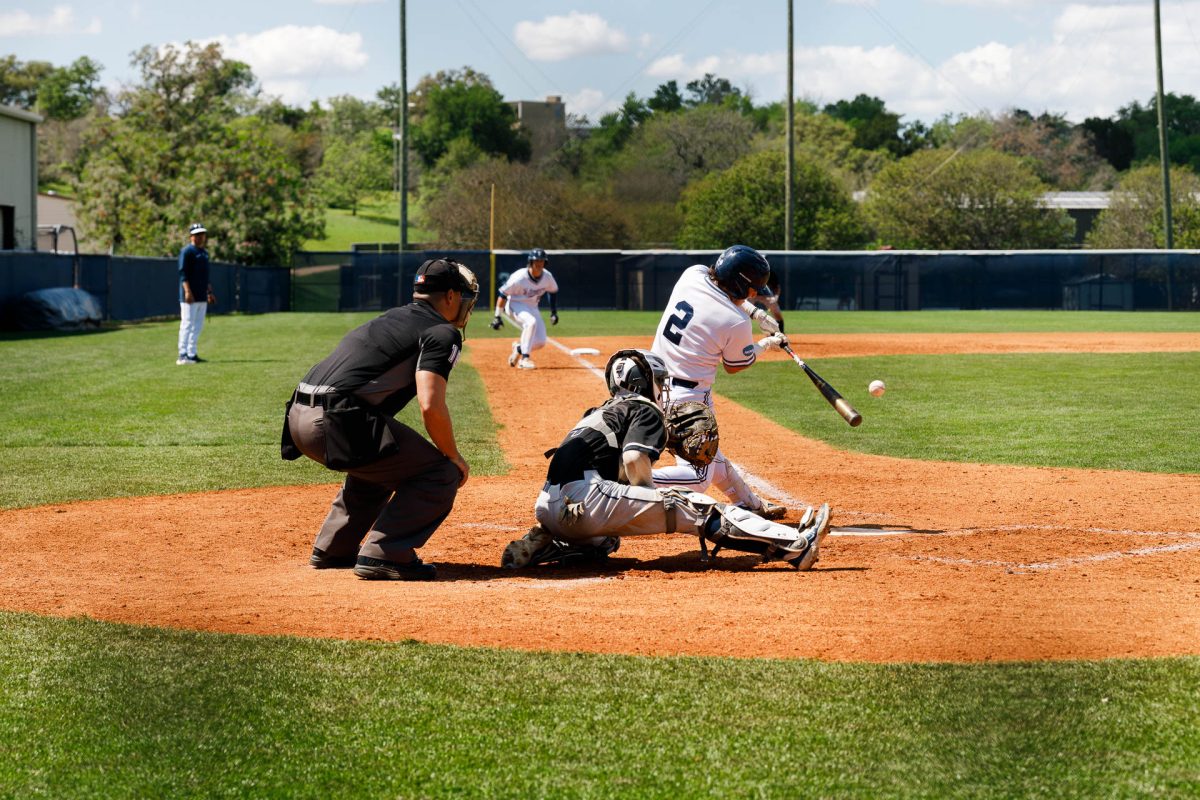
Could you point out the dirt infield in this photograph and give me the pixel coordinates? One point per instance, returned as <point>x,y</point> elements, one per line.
<point>929,561</point>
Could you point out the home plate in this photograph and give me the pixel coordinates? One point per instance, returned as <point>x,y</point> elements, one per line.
<point>585,351</point>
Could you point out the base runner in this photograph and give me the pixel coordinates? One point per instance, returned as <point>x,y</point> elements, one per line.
<point>705,325</point>
<point>519,299</point>
<point>599,485</point>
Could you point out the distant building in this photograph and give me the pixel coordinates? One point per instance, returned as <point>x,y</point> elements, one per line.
<point>1082,207</point>
<point>18,179</point>
<point>546,122</point>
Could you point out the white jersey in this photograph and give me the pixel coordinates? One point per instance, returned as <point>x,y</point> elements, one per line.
<point>702,328</point>
<point>524,292</point>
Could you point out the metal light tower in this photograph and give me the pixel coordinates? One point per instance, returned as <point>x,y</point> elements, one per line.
<point>788,201</point>
<point>402,141</point>
<point>1162,149</point>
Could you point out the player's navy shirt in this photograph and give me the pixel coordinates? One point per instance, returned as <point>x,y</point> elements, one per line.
<point>193,268</point>
<point>604,433</point>
<point>378,361</point>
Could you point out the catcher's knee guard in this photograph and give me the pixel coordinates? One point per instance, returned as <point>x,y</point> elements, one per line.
<point>738,529</point>
<point>696,507</point>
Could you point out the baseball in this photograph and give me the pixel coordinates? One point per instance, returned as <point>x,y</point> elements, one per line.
<point>876,388</point>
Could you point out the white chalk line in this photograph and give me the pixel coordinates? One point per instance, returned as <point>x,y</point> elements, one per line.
<point>1059,563</point>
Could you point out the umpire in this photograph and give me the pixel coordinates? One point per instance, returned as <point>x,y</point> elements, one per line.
<point>399,488</point>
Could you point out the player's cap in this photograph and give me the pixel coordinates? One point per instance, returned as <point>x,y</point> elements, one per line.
<point>537,254</point>
<point>442,274</point>
<point>196,228</point>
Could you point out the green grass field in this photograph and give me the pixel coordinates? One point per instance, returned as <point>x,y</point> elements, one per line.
<point>377,220</point>
<point>91,709</point>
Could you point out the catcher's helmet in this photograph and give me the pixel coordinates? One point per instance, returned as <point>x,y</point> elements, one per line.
<point>537,254</point>
<point>741,268</point>
<point>637,371</point>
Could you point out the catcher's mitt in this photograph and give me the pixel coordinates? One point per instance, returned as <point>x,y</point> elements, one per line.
<point>692,432</point>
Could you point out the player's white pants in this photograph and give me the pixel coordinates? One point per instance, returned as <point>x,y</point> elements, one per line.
<point>533,327</point>
<point>191,321</point>
<point>582,509</point>
<point>722,472</point>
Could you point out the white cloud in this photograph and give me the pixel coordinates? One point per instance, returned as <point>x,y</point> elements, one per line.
<point>60,20</point>
<point>292,51</point>
<point>559,38</point>
<point>591,103</point>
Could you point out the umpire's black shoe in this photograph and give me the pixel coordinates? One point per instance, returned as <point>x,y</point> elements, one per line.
<point>319,560</point>
<point>377,569</point>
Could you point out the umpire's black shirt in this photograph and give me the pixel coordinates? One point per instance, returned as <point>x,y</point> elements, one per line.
<point>378,361</point>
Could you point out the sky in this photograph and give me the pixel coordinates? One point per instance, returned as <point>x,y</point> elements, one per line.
<point>924,58</point>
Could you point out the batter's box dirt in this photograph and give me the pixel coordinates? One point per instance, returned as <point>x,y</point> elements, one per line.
<point>967,576</point>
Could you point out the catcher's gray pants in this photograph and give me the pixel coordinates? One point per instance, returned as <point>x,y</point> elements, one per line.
<point>596,507</point>
<point>397,502</point>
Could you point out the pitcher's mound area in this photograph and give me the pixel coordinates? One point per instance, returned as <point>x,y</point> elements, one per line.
<point>928,561</point>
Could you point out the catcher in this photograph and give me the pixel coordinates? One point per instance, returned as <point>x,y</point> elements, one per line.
<point>599,485</point>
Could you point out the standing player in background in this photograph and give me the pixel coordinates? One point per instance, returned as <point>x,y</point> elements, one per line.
<point>519,298</point>
<point>707,323</point>
<point>195,293</point>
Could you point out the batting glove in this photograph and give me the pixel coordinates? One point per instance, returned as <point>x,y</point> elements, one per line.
<point>554,319</point>
<point>766,323</point>
<point>772,342</point>
<point>496,323</point>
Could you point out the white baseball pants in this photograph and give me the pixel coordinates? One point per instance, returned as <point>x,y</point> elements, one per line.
<point>191,322</point>
<point>533,327</point>
<point>592,507</point>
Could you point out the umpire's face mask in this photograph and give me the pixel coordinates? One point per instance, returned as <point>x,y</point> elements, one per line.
<point>466,304</point>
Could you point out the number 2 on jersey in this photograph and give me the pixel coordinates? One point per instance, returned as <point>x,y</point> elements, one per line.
<point>678,321</point>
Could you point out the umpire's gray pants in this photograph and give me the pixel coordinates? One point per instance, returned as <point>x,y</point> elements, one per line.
<point>397,502</point>
<point>597,507</point>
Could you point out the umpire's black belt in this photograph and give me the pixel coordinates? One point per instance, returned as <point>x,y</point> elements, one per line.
<point>683,382</point>
<point>315,400</point>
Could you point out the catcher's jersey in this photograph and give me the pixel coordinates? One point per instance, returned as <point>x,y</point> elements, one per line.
<point>604,433</point>
<point>701,328</point>
<point>522,289</point>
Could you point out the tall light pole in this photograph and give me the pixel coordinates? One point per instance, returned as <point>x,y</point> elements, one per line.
<point>788,201</point>
<point>402,142</point>
<point>1162,149</point>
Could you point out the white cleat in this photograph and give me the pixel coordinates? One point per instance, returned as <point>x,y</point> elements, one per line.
<point>515,355</point>
<point>814,532</point>
<point>526,363</point>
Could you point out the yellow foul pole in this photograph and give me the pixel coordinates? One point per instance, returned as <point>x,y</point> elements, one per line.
<point>492,244</point>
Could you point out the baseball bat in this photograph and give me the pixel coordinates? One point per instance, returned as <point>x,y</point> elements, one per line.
<point>830,394</point>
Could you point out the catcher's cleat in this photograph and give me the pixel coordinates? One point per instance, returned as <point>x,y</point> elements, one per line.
<point>526,363</point>
<point>813,534</point>
<point>377,569</point>
<point>321,560</point>
<point>515,355</point>
<point>539,547</point>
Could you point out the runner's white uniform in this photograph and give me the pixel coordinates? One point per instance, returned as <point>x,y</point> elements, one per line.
<point>522,294</point>
<point>700,329</point>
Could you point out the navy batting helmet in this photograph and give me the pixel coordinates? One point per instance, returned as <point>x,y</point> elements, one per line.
<point>740,269</point>
<point>537,254</point>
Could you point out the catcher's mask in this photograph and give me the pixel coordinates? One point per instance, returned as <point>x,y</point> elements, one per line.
<point>639,371</point>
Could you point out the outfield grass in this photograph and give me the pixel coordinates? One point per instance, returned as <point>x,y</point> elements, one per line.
<point>109,414</point>
<point>377,220</point>
<point>89,709</point>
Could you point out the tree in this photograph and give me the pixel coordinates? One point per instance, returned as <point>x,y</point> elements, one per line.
<point>746,204</point>
<point>531,208</point>
<point>1134,217</point>
<point>19,81</point>
<point>464,104</point>
<point>354,166</point>
<point>875,128</point>
<point>711,90</point>
<point>666,98</point>
<point>180,153</point>
<point>831,142</point>
<point>349,116</point>
<point>971,200</point>
<point>1131,137</point>
<point>1061,154</point>
<point>69,92</point>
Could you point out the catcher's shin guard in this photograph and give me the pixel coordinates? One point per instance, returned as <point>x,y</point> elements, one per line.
<point>738,529</point>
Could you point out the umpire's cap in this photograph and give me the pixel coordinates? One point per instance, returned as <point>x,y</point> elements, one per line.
<point>443,274</point>
<point>196,228</point>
